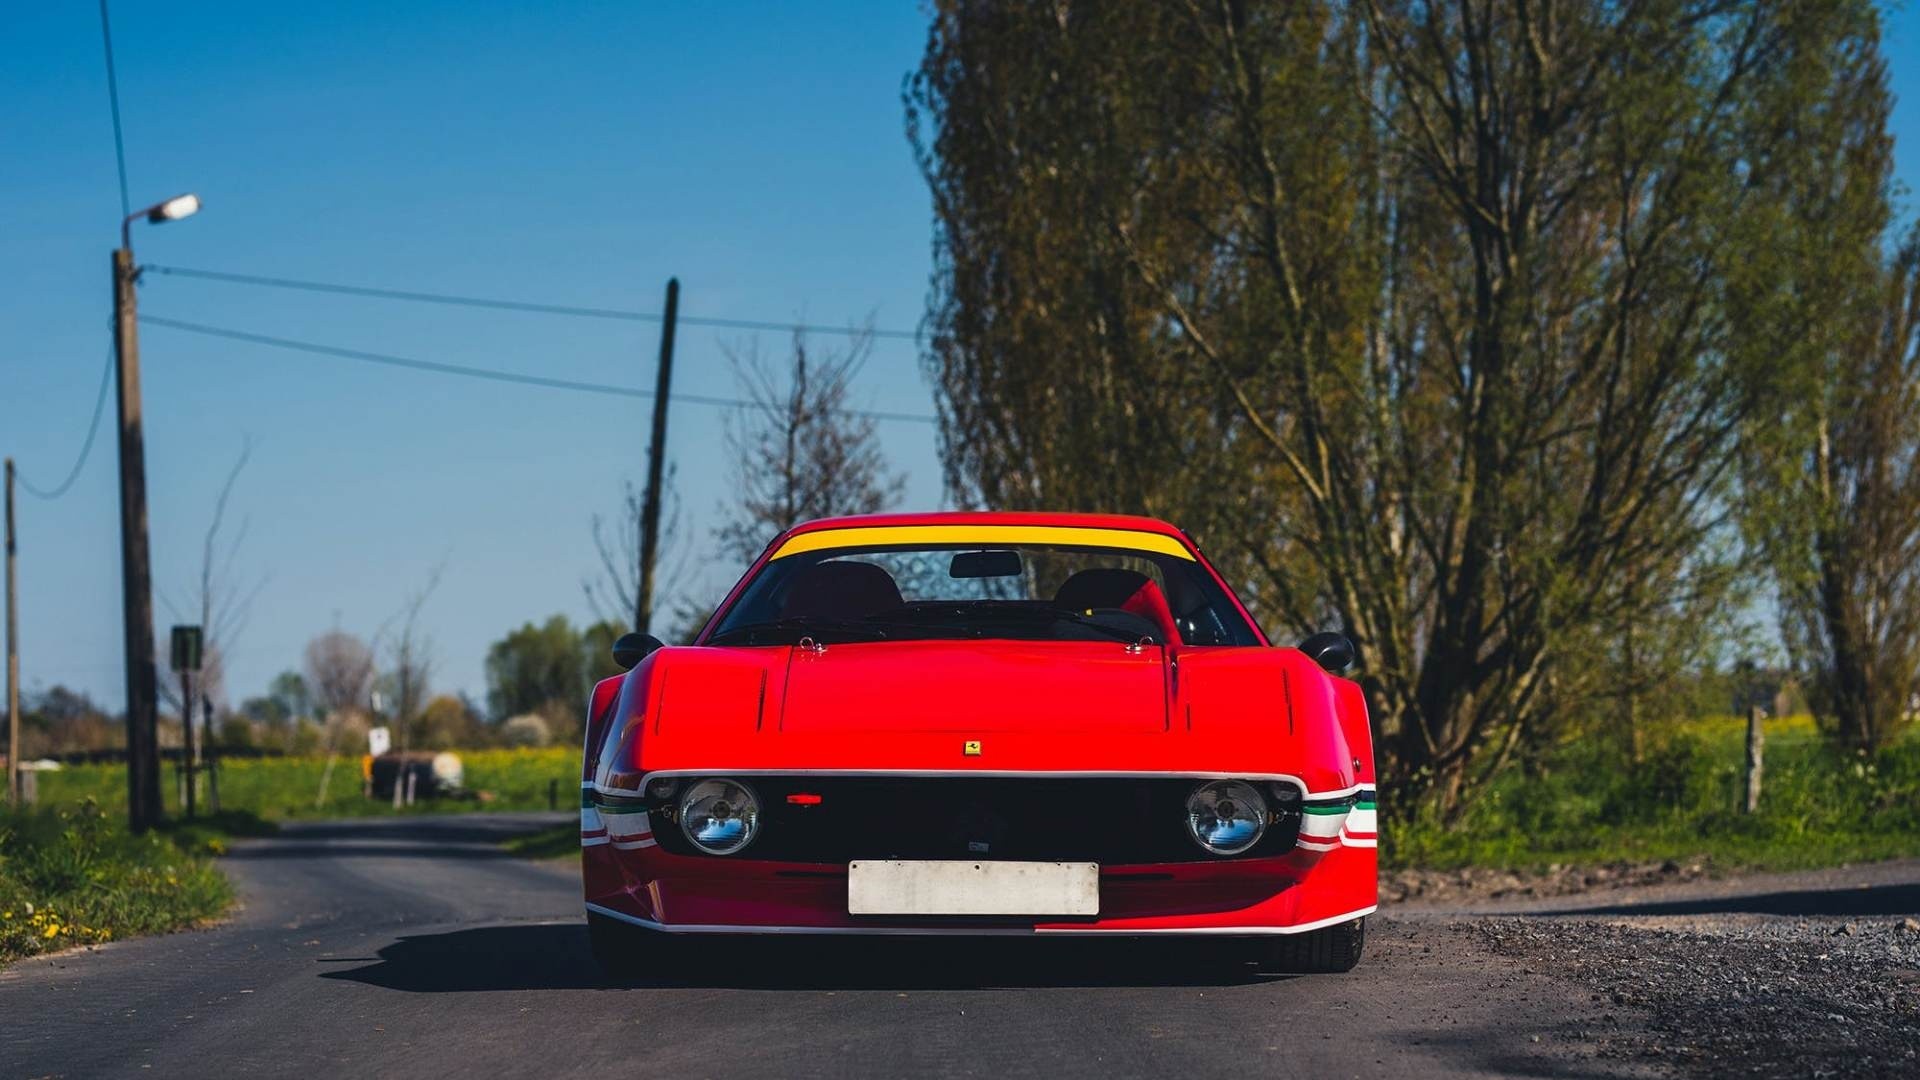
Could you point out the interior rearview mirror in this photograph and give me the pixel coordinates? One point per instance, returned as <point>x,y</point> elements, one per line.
<point>979,564</point>
<point>1333,652</point>
<point>630,649</point>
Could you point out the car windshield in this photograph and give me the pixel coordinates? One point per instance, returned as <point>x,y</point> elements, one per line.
<point>1038,592</point>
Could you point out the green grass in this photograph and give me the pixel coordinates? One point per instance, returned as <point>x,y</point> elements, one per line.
<point>1589,804</point>
<point>74,876</point>
<point>279,789</point>
<point>559,841</point>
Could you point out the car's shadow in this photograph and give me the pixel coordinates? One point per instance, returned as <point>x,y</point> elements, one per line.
<point>555,956</point>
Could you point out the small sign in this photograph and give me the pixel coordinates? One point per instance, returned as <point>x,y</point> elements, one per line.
<point>379,741</point>
<point>186,648</point>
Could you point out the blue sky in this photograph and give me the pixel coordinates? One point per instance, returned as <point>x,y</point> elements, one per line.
<point>576,153</point>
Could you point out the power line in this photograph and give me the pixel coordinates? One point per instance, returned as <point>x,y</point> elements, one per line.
<point>113,98</point>
<point>533,307</point>
<point>86,448</point>
<point>491,374</point>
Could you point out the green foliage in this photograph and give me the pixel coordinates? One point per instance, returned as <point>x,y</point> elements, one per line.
<point>73,876</point>
<point>560,841</point>
<point>1588,802</point>
<point>278,789</point>
<point>1836,507</point>
<point>549,669</point>
<point>596,643</point>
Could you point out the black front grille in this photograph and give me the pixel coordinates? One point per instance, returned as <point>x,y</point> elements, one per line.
<point>1112,822</point>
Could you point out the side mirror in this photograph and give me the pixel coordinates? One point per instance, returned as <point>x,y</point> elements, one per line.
<point>1333,652</point>
<point>630,649</point>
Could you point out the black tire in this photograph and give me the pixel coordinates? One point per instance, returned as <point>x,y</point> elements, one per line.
<point>625,952</point>
<point>1318,952</point>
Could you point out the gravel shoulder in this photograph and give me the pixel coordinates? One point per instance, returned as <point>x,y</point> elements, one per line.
<point>1805,974</point>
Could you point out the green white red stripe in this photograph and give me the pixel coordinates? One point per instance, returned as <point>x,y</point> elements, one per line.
<point>1328,823</point>
<point>1362,825</point>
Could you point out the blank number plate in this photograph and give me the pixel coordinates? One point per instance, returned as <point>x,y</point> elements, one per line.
<point>957,887</point>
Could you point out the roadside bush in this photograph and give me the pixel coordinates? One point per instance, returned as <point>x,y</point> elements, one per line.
<point>73,876</point>
<point>527,730</point>
<point>1587,802</point>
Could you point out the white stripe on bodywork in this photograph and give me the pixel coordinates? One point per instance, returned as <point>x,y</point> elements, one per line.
<point>983,931</point>
<point>634,845</point>
<point>627,826</point>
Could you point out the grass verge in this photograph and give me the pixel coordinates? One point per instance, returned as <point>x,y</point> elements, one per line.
<point>73,875</point>
<point>1590,803</point>
<point>557,842</point>
<point>280,789</point>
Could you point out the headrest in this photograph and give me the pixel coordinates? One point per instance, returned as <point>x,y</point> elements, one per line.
<point>1100,587</point>
<point>840,590</point>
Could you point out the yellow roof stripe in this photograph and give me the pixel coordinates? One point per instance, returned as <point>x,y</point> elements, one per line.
<point>941,535</point>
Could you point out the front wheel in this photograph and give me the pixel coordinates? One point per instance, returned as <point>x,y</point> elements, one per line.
<point>1317,952</point>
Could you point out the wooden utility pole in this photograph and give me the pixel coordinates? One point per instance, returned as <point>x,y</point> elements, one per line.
<point>13,652</point>
<point>656,459</point>
<point>136,571</point>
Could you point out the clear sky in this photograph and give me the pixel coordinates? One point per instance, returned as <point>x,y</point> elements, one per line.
<point>573,153</point>
<point>577,153</point>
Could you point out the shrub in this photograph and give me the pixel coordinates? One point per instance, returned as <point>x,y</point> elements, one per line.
<point>74,876</point>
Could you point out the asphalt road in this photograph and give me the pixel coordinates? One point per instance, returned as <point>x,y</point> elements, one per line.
<point>414,948</point>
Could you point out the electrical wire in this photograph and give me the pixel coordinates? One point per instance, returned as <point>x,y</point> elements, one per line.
<point>113,98</point>
<point>529,306</point>
<point>491,374</point>
<point>86,448</point>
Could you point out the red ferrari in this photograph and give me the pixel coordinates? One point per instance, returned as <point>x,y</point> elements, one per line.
<point>981,723</point>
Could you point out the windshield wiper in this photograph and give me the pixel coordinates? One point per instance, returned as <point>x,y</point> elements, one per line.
<point>801,625</point>
<point>973,613</point>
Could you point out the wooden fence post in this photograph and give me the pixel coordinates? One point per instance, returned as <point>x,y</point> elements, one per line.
<point>1756,750</point>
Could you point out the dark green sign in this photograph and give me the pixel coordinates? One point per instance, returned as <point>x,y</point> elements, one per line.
<point>186,648</point>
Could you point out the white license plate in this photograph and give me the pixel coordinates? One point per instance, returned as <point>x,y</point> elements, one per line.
<point>967,887</point>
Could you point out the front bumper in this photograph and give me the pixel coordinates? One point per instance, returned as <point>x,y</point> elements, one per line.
<point>642,884</point>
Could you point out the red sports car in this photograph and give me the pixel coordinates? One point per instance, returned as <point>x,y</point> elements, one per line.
<point>981,723</point>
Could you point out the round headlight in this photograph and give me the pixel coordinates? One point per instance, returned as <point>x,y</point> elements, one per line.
<point>719,816</point>
<point>1226,816</point>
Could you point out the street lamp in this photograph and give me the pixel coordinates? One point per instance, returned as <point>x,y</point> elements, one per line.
<point>136,568</point>
<point>180,206</point>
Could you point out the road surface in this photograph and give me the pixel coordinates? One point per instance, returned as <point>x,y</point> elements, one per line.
<point>414,948</point>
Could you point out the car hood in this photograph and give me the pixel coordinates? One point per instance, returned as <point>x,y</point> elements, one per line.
<point>1064,687</point>
<point>991,706</point>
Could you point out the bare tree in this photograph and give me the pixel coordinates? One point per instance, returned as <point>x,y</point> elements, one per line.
<point>412,656</point>
<point>798,452</point>
<point>340,672</point>
<point>612,591</point>
<point>221,601</point>
<point>340,669</point>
